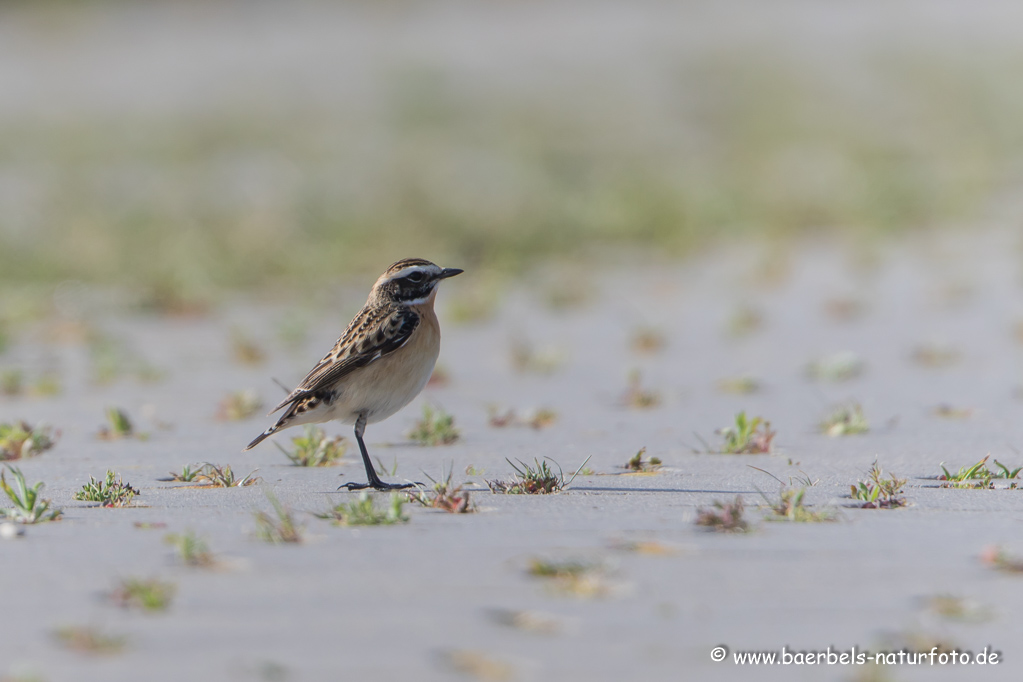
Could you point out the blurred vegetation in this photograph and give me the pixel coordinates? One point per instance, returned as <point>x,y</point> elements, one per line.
<point>733,147</point>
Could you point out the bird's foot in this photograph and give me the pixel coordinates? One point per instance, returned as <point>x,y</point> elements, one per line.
<point>378,485</point>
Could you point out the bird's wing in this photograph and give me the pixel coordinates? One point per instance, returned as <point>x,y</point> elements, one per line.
<point>374,333</point>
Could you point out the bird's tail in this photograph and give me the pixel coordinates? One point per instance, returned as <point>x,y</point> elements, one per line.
<point>263,436</point>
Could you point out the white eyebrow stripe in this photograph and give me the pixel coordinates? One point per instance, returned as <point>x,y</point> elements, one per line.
<point>409,270</point>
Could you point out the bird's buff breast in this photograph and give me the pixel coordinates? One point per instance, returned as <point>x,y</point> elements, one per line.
<point>392,382</point>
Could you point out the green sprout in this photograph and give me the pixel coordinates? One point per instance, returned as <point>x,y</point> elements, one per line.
<point>19,440</point>
<point>724,517</point>
<point>638,464</point>
<point>789,507</point>
<point>443,495</point>
<point>192,549</point>
<point>578,578</point>
<point>747,436</point>
<point>239,406</point>
<point>89,640</point>
<point>279,528</point>
<point>363,512</point>
<point>118,427</point>
<point>435,428</point>
<point>846,421</point>
<point>110,492</point>
<point>838,367</point>
<point>28,506</point>
<point>315,449</point>
<point>878,492</point>
<point>534,480</point>
<point>638,397</point>
<point>148,595</point>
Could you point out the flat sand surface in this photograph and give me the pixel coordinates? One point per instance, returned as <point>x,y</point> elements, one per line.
<point>431,599</point>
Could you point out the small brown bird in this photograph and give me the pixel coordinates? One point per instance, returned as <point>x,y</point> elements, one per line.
<point>381,362</point>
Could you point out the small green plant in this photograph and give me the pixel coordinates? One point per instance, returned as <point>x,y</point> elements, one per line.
<point>28,506</point>
<point>999,559</point>
<point>110,492</point>
<point>222,477</point>
<point>244,350</point>
<point>118,426</point>
<point>528,359</point>
<point>537,419</point>
<point>724,517</point>
<point>89,640</point>
<point>192,549</point>
<point>578,578</point>
<point>789,507</point>
<point>956,608</point>
<point>846,421</point>
<point>187,475</point>
<point>638,464</point>
<point>315,449</point>
<point>838,367</point>
<point>19,440</point>
<point>946,411</point>
<point>443,495</point>
<point>534,480</point>
<point>747,436</point>
<point>239,406</point>
<point>279,528</point>
<point>436,427</point>
<point>638,397</point>
<point>12,382</point>
<point>363,512</point>
<point>978,475</point>
<point>740,385</point>
<point>936,355</point>
<point>148,595</point>
<point>878,492</point>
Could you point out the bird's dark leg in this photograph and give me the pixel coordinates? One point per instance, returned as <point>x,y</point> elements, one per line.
<point>371,474</point>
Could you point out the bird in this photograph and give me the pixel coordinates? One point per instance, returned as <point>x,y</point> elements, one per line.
<point>380,363</point>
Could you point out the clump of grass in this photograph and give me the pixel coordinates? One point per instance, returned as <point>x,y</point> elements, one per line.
<point>278,528</point>
<point>957,608</point>
<point>647,340</point>
<point>110,492</point>
<point>239,405</point>
<point>1001,560</point>
<point>742,385</point>
<point>724,517</point>
<point>19,440</point>
<point>578,578</point>
<point>244,350</point>
<point>638,464</point>
<point>118,427</point>
<point>528,621</point>
<point>191,549</point>
<point>534,480</point>
<point>12,382</point>
<point>878,492</point>
<point>837,367</point>
<point>846,421</point>
<point>436,427</point>
<point>187,475</point>
<point>744,321</point>
<point>363,512</point>
<point>29,507</point>
<point>977,475</point>
<point>638,397</point>
<point>538,419</point>
<point>478,665</point>
<point>315,449</point>
<point>528,359</point>
<point>443,495</point>
<point>747,436</point>
<point>223,477</point>
<point>789,507</point>
<point>146,594</point>
<point>89,640</point>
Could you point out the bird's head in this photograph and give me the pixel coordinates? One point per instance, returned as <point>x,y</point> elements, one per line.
<point>411,281</point>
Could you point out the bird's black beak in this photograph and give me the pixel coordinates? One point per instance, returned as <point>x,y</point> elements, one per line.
<point>449,272</point>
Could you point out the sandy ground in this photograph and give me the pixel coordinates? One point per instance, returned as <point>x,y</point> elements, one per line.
<point>389,602</point>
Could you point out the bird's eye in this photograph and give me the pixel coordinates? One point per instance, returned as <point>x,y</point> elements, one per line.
<point>415,277</point>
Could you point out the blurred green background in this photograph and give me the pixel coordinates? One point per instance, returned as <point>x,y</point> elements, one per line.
<point>185,148</point>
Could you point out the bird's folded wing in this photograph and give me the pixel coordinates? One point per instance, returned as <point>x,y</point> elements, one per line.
<point>369,338</point>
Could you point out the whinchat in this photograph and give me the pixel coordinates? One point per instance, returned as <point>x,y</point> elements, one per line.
<point>381,362</point>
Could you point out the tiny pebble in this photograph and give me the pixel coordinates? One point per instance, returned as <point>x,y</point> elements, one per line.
<point>8,531</point>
